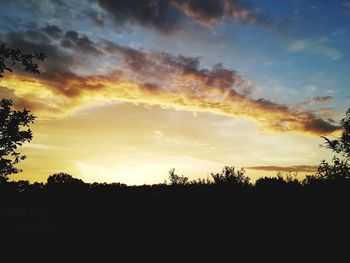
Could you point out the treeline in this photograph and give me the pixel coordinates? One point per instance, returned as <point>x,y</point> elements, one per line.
<point>228,202</point>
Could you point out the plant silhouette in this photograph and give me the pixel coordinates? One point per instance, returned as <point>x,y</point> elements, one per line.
<point>10,56</point>
<point>14,124</point>
<point>12,136</point>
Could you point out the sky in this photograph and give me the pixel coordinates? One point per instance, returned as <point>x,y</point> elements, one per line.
<point>131,89</point>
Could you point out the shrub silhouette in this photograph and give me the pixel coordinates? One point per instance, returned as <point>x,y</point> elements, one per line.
<point>177,179</point>
<point>230,176</point>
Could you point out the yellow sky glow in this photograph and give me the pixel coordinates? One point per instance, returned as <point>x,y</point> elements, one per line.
<point>135,144</point>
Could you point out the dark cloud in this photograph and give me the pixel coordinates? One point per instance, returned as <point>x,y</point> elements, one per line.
<point>53,31</point>
<point>136,60</point>
<point>163,65</point>
<point>266,104</point>
<point>308,121</point>
<point>158,14</point>
<point>80,43</point>
<point>318,125</point>
<point>37,41</point>
<point>57,70</point>
<point>168,15</point>
<point>212,12</point>
<point>45,40</point>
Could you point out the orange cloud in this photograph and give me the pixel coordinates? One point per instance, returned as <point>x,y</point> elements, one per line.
<point>64,93</point>
<point>211,13</point>
<point>295,168</point>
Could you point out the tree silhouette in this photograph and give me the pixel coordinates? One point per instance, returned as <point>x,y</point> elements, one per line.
<point>13,124</point>
<point>229,175</point>
<point>341,145</point>
<point>12,135</point>
<point>340,169</point>
<point>62,178</point>
<point>177,179</point>
<point>337,172</point>
<point>9,57</point>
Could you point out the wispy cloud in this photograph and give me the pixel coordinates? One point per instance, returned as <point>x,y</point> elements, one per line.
<point>306,105</point>
<point>315,46</point>
<point>295,168</point>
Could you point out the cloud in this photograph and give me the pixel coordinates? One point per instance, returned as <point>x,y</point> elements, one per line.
<point>315,46</point>
<point>295,168</point>
<point>157,14</point>
<point>169,15</point>
<point>306,105</point>
<point>58,10</point>
<point>73,48</point>
<point>151,78</point>
<point>177,91</point>
<point>346,7</point>
<point>30,41</point>
<point>79,43</point>
<point>19,102</point>
<point>211,12</point>
<point>53,31</point>
<point>318,99</point>
<point>85,91</point>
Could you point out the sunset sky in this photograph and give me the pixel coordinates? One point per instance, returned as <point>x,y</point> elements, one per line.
<point>131,89</point>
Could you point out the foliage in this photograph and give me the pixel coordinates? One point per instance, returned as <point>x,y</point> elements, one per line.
<point>336,172</point>
<point>12,136</point>
<point>339,170</point>
<point>341,145</point>
<point>177,179</point>
<point>229,175</point>
<point>12,122</point>
<point>9,57</point>
<point>62,178</point>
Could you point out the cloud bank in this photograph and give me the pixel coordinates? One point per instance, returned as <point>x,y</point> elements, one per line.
<point>138,76</point>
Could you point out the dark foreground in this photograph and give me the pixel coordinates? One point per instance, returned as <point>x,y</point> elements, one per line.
<point>272,207</point>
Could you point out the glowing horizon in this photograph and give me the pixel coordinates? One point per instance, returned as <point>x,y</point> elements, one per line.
<point>126,98</point>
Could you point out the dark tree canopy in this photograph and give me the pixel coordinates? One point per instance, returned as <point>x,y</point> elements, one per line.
<point>9,57</point>
<point>342,145</point>
<point>230,175</point>
<point>14,125</point>
<point>62,178</point>
<point>14,132</point>
<point>340,169</point>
